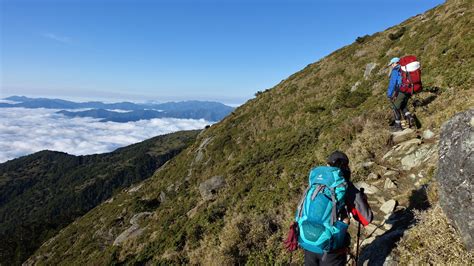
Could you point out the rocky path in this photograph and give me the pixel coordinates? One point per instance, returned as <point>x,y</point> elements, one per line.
<point>395,187</point>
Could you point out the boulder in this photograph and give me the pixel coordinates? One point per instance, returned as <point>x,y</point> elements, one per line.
<point>368,189</point>
<point>456,172</point>
<point>389,184</point>
<point>403,135</point>
<point>388,206</point>
<point>209,188</point>
<point>428,134</point>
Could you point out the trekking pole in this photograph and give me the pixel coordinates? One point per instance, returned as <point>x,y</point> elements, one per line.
<point>358,236</point>
<point>357,247</point>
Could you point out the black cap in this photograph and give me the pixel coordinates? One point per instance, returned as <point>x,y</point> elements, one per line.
<point>338,157</point>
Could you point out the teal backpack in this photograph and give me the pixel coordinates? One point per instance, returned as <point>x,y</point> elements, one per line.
<point>319,229</point>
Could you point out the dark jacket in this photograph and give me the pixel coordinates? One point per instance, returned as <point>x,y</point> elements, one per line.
<point>357,205</point>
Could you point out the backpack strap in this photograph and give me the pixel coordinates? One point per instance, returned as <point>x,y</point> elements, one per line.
<point>317,190</point>
<point>411,82</point>
<point>334,202</point>
<point>300,205</point>
<point>334,206</point>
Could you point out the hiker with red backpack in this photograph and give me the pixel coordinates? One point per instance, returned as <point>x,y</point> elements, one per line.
<point>405,80</point>
<point>324,212</point>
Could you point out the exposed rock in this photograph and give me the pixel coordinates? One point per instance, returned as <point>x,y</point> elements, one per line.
<point>387,226</point>
<point>209,188</point>
<point>367,164</point>
<point>360,53</point>
<point>368,69</point>
<point>418,157</point>
<point>390,173</point>
<point>368,189</point>
<point>135,189</point>
<point>456,172</point>
<point>388,206</point>
<point>374,230</point>
<point>110,200</point>
<point>380,199</point>
<point>200,150</point>
<point>403,135</point>
<point>354,87</point>
<point>428,134</point>
<point>194,210</point>
<point>389,184</point>
<point>132,231</point>
<point>163,197</point>
<point>373,176</point>
<point>367,241</point>
<point>402,149</point>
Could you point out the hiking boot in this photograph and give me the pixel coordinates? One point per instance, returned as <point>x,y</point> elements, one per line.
<point>409,119</point>
<point>396,127</point>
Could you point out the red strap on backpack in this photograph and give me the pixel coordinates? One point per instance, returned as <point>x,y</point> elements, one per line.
<point>291,242</point>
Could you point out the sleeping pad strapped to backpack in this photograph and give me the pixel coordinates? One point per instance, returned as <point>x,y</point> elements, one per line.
<point>319,229</point>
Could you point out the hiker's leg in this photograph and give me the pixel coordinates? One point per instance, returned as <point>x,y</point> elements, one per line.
<point>311,259</point>
<point>334,259</point>
<point>396,114</point>
<point>406,112</point>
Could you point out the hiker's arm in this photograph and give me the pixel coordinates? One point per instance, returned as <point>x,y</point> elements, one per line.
<point>394,77</point>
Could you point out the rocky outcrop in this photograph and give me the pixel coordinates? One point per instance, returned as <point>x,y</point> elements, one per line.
<point>133,231</point>
<point>403,135</point>
<point>209,188</point>
<point>456,172</point>
<point>368,69</point>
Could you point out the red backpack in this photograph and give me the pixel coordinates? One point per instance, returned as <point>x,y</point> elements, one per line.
<point>411,74</point>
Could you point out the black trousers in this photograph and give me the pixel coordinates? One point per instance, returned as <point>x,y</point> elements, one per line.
<point>400,106</point>
<point>315,259</point>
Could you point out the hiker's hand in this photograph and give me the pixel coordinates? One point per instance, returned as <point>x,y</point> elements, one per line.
<point>346,220</point>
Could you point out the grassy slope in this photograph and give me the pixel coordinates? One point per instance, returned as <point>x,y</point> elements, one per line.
<point>265,149</point>
<point>44,192</point>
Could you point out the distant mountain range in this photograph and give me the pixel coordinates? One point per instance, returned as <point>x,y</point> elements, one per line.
<point>211,111</point>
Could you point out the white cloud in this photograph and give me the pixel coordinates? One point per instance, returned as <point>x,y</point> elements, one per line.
<point>58,38</point>
<point>25,131</point>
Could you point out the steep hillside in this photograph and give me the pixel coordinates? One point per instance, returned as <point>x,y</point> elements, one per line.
<point>229,198</point>
<point>44,192</point>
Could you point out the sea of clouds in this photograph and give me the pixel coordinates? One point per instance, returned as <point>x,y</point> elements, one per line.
<point>24,131</point>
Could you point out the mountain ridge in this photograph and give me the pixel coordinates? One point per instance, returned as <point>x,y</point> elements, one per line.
<point>43,192</point>
<point>262,152</point>
<point>208,110</point>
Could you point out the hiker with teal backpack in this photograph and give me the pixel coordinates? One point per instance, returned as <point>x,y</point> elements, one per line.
<point>405,80</point>
<point>324,212</point>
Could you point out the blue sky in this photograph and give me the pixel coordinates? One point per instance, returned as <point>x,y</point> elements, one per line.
<point>176,50</point>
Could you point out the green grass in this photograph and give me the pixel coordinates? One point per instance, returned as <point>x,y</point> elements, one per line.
<point>265,149</point>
